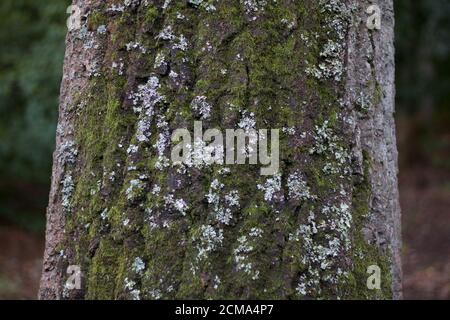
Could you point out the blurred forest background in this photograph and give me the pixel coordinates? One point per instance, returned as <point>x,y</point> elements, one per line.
<point>32,48</point>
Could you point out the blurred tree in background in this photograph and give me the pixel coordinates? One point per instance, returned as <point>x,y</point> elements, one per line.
<point>423,118</point>
<point>31,33</point>
<point>423,45</point>
<point>32,40</point>
<point>423,80</point>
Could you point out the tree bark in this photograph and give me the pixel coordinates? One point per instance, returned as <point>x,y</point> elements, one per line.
<point>140,228</point>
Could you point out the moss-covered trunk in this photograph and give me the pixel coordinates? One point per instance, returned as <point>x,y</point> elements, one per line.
<point>140,228</point>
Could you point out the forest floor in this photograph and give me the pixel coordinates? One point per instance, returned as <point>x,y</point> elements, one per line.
<point>20,262</point>
<point>425,200</point>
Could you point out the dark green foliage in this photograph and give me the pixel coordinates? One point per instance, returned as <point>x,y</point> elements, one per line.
<point>32,40</point>
<point>423,47</point>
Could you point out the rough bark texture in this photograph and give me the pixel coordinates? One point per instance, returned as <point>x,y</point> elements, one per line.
<point>142,229</point>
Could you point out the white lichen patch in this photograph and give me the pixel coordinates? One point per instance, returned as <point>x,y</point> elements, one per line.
<point>166,34</point>
<point>155,294</point>
<point>173,75</point>
<point>156,190</point>
<point>271,188</point>
<point>163,143</point>
<point>217,282</point>
<point>144,101</point>
<point>208,5</point>
<point>327,143</point>
<point>181,43</point>
<point>320,256</point>
<point>177,205</point>
<point>298,188</point>
<point>68,187</point>
<point>114,8</point>
<point>201,107</point>
<point>243,250</point>
<point>256,232</point>
<point>247,122</point>
<point>119,67</point>
<point>135,188</point>
<point>131,46</point>
<point>160,60</point>
<point>178,42</point>
<point>291,131</point>
<point>232,199</point>
<point>138,265</point>
<point>166,4</point>
<point>290,24</point>
<point>254,6</point>
<point>340,219</point>
<point>130,286</point>
<point>331,65</point>
<point>132,3</point>
<point>132,149</point>
<point>67,153</point>
<point>222,206</point>
<point>102,30</point>
<point>208,240</point>
<point>363,102</point>
<point>147,96</point>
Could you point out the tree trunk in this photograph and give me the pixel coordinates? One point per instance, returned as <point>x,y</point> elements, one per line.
<point>139,227</point>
